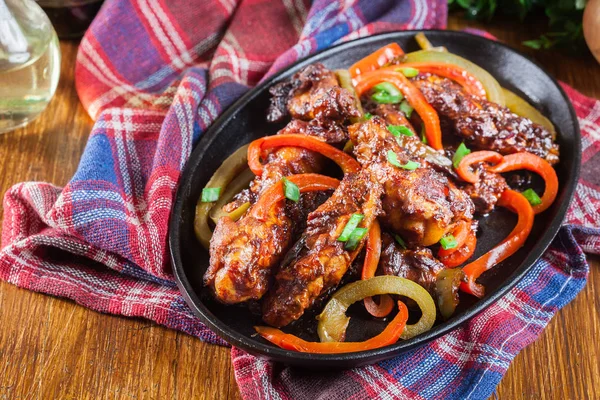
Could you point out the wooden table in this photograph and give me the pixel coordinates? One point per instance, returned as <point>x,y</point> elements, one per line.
<point>51,348</point>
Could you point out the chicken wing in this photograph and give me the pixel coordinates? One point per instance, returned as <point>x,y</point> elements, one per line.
<point>485,125</point>
<point>418,265</point>
<point>313,92</point>
<point>323,260</point>
<point>421,204</point>
<point>243,253</point>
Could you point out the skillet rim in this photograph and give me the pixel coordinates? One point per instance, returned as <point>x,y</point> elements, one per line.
<point>369,356</point>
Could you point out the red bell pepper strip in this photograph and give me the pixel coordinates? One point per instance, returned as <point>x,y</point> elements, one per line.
<point>460,233</point>
<point>471,84</point>
<point>376,60</point>
<point>345,161</point>
<point>533,163</point>
<point>372,255</point>
<point>415,98</point>
<point>517,203</point>
<point>275,193</point>
<point>390,335</point>
<point>464,168</point>
<point>462,254</point>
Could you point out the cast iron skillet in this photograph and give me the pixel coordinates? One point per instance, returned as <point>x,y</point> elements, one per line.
<point>245,121</point>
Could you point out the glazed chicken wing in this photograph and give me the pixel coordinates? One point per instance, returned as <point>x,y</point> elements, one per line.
<point>323,260</point>
<point>313,92</point>
<point>418,265</point>
<point>243,253</point>
<point>485,125</point>
<point>421,204</point>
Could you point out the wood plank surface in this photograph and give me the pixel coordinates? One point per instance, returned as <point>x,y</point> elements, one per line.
<point>51,348</point>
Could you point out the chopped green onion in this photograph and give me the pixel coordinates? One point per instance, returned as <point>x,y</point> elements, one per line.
<point>423,137</point>
<point>409,72</point>
<point>368,116</point>
<point>532,197</point>
<point>398,130</point>
<point>393,159</point>
<point>291,190</point>
<point>355,237</point>
<point>350,227</point>
<point>448,242</point>
<point>460,153</point>
<point>210,194</point>
<point>411,165</point>
<point>406,108</point>
<point>386,93</point>
<point>400,241</point>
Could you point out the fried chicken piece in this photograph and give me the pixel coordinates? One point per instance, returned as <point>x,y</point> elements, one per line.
<point>313,92</point>
<point>486,191</point>
<point>323,260</point>
<point>485,125</point>
<point>421,205</point>
<point>390,114</point>
<point>243,253</point>
<point>418,265</point>
<point>411,145</point>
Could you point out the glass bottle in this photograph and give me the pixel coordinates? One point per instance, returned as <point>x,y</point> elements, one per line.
<point>29,62</point>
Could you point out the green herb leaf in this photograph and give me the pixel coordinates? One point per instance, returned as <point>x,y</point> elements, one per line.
<point>448,242</point>
<point>406,108</point>
<point>423,137</point>
<point>386,93</point>
<point>409,72</point>
<point>460,153</point>
<point>368,116</point>
<point>350,227</point>
<point>411,165</point>
<point>210,194</point>
<point>355,237</point>
<point>291,190</point>
<point>532,197</point>
<point>400,241</point>
<point>398,130</point>
<point>393,158</point>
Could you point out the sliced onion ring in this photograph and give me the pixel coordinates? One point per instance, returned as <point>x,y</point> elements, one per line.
<point>333,320</point>
<point>229,169</point>
<point>522,108</point>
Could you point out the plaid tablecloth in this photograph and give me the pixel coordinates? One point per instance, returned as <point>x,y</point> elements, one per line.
<point>154,75</point>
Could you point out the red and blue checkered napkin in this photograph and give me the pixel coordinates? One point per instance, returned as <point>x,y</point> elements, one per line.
<point>154,75</point>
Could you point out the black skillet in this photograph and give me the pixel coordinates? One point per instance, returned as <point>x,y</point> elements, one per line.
<point>245,121</point>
